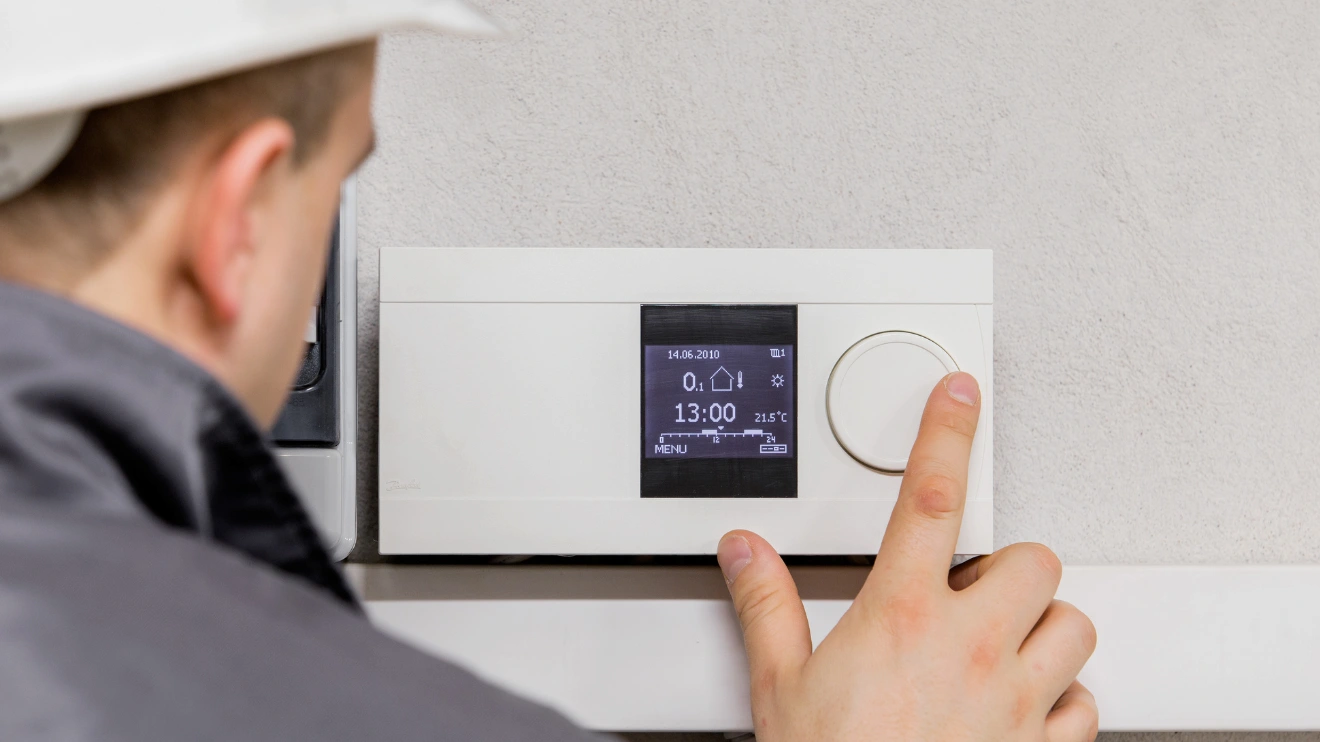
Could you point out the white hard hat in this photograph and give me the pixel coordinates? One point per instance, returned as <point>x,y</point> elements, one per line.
<point>60,58</point>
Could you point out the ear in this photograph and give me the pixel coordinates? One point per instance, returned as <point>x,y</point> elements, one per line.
<point>228,214</point>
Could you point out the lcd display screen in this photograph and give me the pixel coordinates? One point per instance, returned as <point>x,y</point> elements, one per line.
<point>719,401</point>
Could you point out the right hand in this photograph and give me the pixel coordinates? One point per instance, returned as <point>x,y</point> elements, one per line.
<point>980,653</point>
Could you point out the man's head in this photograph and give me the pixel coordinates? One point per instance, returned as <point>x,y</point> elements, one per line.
<point>202,215</point>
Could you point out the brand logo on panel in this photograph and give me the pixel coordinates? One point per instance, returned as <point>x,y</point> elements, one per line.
<point>394,485</point>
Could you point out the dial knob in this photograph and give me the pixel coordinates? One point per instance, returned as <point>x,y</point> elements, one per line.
<point>877,392</point>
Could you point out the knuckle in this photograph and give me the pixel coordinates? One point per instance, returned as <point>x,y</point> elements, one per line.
<point>1081,625</point>
<point>1092,722</point>
<point>985,654</point>
<point>1042,559</point>
<point>986,646</point>
<point>1022,708</point>
<point>764,683</point>
<point>906,614</point>
<point>936,493</point>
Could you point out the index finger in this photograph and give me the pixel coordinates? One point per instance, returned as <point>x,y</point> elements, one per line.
<point>923,530</point>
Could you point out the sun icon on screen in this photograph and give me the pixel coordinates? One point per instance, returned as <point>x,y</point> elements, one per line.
<point>777,380</point>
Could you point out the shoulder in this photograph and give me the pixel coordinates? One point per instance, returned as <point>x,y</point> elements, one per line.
<point>118,628</point>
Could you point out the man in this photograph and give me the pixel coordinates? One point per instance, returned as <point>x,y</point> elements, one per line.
<point>165,202</point>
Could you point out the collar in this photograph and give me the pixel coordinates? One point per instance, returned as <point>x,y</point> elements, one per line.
<point>98,417</point>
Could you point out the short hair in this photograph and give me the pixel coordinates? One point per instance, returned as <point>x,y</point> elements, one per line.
<point>125,152</point>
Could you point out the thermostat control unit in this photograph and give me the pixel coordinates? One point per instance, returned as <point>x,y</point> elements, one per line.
<point>316,432</point>
<point>647,401</point>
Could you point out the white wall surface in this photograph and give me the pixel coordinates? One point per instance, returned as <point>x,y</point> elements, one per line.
<point>1147,173</point>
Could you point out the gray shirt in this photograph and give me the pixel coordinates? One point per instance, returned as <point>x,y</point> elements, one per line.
<point>160,581</point>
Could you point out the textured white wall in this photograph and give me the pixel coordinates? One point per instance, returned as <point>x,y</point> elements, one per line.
<point>1147,173</point>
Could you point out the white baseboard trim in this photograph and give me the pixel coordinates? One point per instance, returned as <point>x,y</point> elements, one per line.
<point>658,648</point>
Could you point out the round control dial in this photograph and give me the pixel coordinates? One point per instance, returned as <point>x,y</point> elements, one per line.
<point>877,393</point>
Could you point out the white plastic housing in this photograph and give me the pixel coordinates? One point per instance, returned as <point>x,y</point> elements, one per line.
<point>510,394</point>
<point>326,478</point>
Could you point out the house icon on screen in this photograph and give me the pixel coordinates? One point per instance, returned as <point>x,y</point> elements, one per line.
<point>721,380</point>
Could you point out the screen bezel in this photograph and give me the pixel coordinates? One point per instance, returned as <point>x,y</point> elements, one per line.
<point>718,324</point>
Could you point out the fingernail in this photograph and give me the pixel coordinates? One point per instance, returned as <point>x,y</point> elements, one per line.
<point>734,555</point>
<point>962,387</point>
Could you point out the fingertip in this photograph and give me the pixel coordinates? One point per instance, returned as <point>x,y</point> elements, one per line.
<point>733,554</point>
<point>962,387</point>
<point>954,406</point>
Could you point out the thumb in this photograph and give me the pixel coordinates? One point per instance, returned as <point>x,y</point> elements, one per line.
<point>774,623</point>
